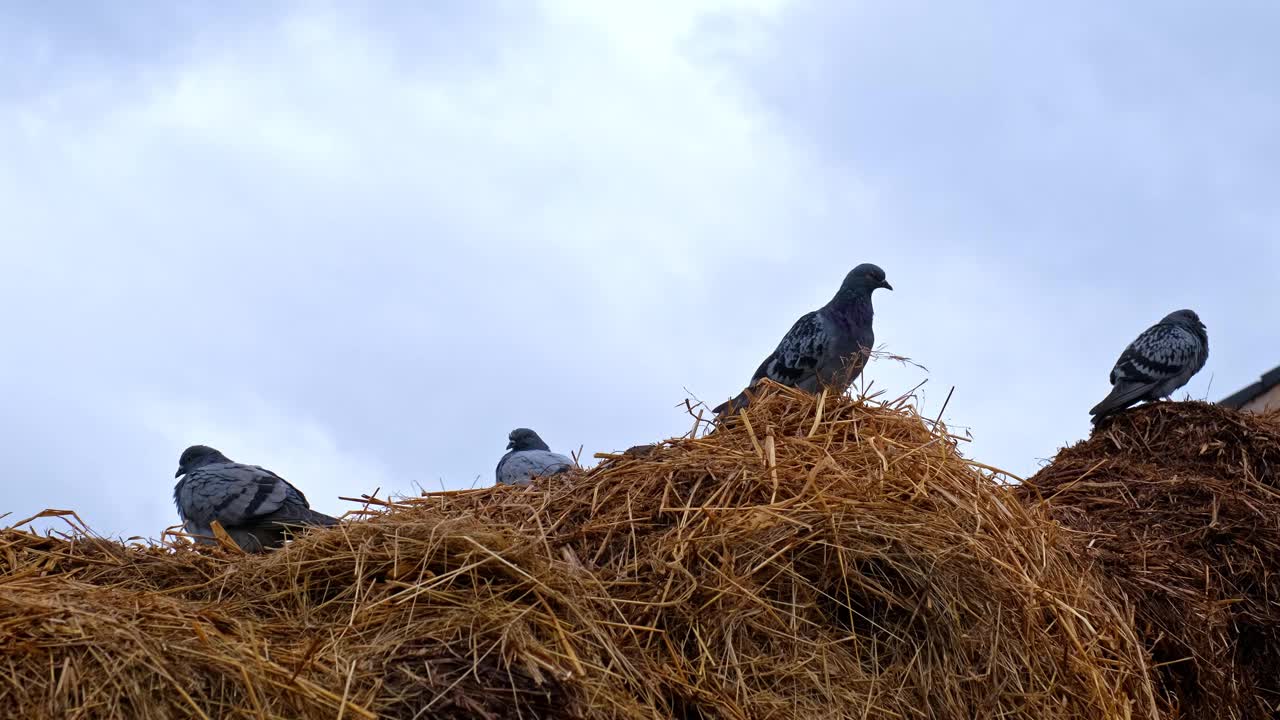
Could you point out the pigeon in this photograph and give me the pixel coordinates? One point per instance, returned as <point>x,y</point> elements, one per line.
<point>827,347</point>
<point>1162,359</point>
<point>255,506</point>
<point>529,457</point>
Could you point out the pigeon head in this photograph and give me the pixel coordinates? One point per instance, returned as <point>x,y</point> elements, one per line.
<point>859,285</point>
<point>862,280</point>
<point>197,456</point>
<point>525,439</point>
<point>1186,318</point>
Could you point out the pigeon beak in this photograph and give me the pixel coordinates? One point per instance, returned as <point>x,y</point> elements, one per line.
<point>885,284</point>
<point>511,445</point>
<point>180,473</point>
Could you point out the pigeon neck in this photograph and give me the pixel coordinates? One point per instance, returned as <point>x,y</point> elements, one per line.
<point>533,445</point>
<point>1200,332</point>
<point>852,305</point>
<point>1197,330</point>
<point>851,311</point>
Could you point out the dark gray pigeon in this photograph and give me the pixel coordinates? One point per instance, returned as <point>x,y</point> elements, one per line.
<point>827,347</point>
<point>529,457</point>
<point>1162,359</point>
<point>255,506</point>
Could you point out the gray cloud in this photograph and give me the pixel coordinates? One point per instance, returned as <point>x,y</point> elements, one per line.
<point>360,246</point>
<point>1093,169</point>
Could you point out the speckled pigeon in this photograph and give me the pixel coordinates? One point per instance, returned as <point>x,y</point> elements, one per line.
<point>529,457</point>
<point>1162,359</point>
<point>827,347</point>
<point>256,507</point>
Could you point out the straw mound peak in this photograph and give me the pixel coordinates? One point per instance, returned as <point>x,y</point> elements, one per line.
<point>819,559</point>
<point>1181,506</point>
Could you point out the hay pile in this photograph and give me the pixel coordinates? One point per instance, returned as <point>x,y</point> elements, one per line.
<point>1182,503</point>
<point>823,560</point>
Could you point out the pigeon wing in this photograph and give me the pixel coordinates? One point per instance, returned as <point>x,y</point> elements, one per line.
<point>233,494</point>
<point>1160,353</point>
<point>799,353</point>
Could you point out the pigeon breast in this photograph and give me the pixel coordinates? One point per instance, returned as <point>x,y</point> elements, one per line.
<point>518,467</point>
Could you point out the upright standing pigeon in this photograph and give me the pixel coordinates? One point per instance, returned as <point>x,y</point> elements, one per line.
<point>530,457</point>
<point>255,506</point>
<point>1162,359</point>
<point>827,347</point>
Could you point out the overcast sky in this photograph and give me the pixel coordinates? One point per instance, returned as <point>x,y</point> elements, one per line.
<point>359,246</point>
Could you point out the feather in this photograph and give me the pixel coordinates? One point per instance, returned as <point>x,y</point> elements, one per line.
<point>1160,360</point>
<point>255,506</point>
<point>827,347</point>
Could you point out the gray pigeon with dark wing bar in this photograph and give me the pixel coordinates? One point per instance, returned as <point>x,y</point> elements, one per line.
<point>256,507</point>
<point>529,457</point>
<point>827,347</point>
<point>1161,360</point>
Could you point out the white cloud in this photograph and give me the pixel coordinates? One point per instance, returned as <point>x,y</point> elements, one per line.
<point>359,247</point>
<point>249,429</point>
<point>393,253</point>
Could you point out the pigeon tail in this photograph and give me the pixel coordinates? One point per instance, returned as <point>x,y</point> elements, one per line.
<point>263,536</point>
<point>730,407</point>
<point>318,518</point>
<point>295,519</point>
<point>1120,397</point>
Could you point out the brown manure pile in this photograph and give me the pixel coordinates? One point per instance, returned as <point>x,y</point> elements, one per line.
<point>1180,504</point>
<point>821,559</point>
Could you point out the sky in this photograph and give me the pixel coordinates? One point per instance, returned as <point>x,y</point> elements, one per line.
<point>359,245</point>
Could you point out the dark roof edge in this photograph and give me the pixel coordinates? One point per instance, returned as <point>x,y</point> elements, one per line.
<point>1241,398</point>
<point>1272,378</point>
<point>1237,400</point>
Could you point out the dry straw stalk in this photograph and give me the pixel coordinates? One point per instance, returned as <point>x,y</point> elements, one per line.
<point>847,564</point>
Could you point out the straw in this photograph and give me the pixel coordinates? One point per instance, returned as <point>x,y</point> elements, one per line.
<point>841,563</point>
<point>1179,506</point>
